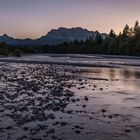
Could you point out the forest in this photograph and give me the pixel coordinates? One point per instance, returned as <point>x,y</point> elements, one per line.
<point>126,43</point>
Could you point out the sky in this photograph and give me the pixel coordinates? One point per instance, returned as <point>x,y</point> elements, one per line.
<point>34,18</point>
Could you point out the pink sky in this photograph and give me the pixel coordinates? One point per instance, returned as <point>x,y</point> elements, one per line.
<point>34,18</point>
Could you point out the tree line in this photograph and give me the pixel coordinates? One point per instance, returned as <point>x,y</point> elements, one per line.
<point>126,43</point>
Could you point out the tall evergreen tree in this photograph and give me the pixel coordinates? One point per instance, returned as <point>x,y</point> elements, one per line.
<point>112,34</point>
<point>126,31</point>
<point>98,39</point>
<point>136,30</point>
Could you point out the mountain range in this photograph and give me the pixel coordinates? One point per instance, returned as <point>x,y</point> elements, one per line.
<point>55,36</point>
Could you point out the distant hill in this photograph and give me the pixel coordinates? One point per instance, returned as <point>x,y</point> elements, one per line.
<point>12,41</point>
<point>55,36</point>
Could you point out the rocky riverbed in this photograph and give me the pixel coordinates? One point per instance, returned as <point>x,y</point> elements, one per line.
<point>50,102</point>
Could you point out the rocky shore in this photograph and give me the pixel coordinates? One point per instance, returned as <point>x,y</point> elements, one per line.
<point>51,102</point>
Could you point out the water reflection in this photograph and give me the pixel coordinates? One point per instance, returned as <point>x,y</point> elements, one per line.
<point>137,74</point>
<point>126,74</point>
<point>113,73</point>
<point>126,79</point>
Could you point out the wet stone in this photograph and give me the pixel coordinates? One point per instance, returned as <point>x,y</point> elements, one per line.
<point>9,127</point>
<point>101,88</point>
<point>86,98</point>
<point>127,130</point>
<point>51,116</point>
<point>2,97</point>
<point>25,128</point>
<point>69,111</point>
<point>63,123</point>
<point>50,131</point>
<point>77,131</point>
<point>103,110</point>
<point>84,106</point>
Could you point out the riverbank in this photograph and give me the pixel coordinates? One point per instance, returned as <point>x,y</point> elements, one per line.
<point>76,60</point>
<point>41,101</point>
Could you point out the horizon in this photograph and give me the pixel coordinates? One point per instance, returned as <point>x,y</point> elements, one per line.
<point>4,34</point>
<point>32,19</point>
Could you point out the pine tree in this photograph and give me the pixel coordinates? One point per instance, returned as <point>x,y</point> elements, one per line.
<point>136,30</point>
<point>98,39</point>
<point>126,31</point>
<point>112,34</point>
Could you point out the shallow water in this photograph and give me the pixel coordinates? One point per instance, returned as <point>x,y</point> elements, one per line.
<point>127,78</point>
<point>105,105</point>
<point>118,93</point>
<point>77,60</point>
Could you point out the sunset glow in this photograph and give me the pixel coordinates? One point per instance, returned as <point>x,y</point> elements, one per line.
<point>33,18</point>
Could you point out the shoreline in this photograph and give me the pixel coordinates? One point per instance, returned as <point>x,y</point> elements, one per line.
<point>58,63</point>
<point>108,61</point>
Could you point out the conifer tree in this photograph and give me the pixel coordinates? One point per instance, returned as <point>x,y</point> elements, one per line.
<point>136,30</point>
<point>112,34</point>
<point>126,31</point>
<point>98,39</point>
